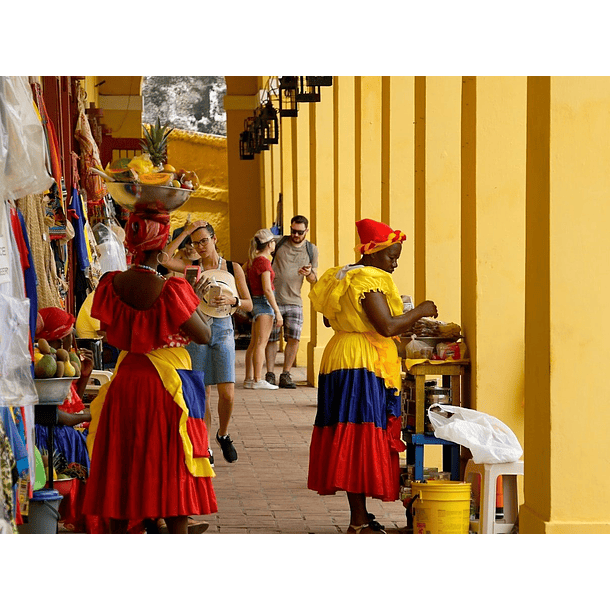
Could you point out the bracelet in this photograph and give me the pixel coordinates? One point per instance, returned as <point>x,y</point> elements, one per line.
<point>237,303</point>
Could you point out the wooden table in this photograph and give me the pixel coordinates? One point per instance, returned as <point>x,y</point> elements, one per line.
<point>452,372</point>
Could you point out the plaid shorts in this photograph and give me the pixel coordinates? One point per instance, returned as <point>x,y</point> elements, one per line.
<point>293,323</point>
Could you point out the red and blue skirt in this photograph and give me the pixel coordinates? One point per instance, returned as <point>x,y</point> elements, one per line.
<point>356,440</point>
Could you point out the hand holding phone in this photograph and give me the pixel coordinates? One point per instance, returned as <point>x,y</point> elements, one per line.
<point>192,273</point>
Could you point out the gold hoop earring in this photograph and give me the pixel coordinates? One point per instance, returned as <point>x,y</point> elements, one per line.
<point>161,253</point>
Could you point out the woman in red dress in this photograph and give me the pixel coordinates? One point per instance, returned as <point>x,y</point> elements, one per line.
<point>147,439</point>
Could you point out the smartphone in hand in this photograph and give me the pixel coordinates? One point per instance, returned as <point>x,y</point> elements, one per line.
<point>192,273</point>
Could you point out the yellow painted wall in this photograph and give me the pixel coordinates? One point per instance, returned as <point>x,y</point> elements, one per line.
<point>206,155</point>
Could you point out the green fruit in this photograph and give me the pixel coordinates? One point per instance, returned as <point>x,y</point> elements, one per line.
<point>46,367</point>
<point>74,358</point>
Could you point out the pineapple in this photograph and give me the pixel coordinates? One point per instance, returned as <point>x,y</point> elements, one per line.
<point>155,143</point>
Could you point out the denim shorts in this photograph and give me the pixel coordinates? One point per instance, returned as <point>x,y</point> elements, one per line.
<point>217,358</point>
<point>260,306</point>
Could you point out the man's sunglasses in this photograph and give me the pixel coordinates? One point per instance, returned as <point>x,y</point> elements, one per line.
<point>295,232</point>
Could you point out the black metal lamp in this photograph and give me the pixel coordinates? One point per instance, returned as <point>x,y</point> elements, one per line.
<point>270,124</point>
<point>246,149</point>
<point>288,92</point>
<point>319,81</point>
<point>307,92</point>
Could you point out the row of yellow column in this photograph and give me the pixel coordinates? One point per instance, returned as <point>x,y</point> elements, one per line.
<point>502,187</point>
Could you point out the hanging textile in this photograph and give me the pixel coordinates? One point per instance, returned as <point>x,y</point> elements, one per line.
<point>93,184</point>
<point>50,135</point>
<point>8,480</point>
<point>22,141</point>
<point>33,209</point>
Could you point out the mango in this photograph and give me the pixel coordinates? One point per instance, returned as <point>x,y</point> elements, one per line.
<point>74,358</point>
<point>46,367</point>
<point>62,355</point>
<point>43,346</point>
<point>69,370</point>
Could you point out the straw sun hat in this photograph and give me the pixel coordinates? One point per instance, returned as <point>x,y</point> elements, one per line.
<point>227,286</point>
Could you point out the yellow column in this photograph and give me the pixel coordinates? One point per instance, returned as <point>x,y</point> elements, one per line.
<point>322,222</point>
<point>368,147</point>
<point>246,209</point>
<point>398,175</point>
<point>493,243</point>
<point>567,290</point>
<point>442,195</point>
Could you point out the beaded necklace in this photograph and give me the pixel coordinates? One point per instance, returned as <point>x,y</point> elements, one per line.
<point>149,269</point>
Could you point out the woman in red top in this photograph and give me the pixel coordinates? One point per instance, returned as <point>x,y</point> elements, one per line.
<point>264,307</point>
<point>147,439</point>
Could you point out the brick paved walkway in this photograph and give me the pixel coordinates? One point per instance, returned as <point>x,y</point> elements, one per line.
<point>265,491</point>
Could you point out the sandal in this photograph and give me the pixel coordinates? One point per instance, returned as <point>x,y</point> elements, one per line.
<point>372,519</point>
<point>357,529</point>
<point>194,526</point>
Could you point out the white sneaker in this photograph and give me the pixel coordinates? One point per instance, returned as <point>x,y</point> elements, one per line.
<point>263,384</point>
<point>248,384</point>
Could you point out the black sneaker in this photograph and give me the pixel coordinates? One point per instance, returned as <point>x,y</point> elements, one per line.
<point>226,444</point>
<point>286,381</point>
<point>270,378</point>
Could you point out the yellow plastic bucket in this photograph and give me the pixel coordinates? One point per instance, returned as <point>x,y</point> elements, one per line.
<point>441,507</point>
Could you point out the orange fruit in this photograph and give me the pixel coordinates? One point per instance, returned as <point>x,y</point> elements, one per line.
<point>156,178</point>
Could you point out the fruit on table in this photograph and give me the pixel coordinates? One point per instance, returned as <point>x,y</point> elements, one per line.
<point>46,367</point>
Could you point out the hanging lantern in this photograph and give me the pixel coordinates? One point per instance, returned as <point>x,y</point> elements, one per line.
<point>246,151</point>
<point>307,92</point>
<point>288,91</point>
<point>270,124</point>
<point>319,81</point>
<point>259,130</point>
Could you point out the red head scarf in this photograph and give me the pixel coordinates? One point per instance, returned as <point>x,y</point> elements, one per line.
<point>56,323</point>
<point>375,236</point>
<point>146,230</point>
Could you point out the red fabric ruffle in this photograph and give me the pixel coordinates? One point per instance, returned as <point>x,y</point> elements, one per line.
<point>357,458</point>
<point>141,331</point>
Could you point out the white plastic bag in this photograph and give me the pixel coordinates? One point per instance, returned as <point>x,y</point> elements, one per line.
<point>489,440</point>
<point>112,251</point>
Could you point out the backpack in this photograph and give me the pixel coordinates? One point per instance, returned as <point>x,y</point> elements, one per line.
<point>283,240</point>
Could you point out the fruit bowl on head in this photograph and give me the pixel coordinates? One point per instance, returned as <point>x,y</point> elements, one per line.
<point>53,390</point>
<point>133,196</point>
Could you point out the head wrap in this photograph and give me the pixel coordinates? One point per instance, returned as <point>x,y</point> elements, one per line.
<point>56,323</point>
<point>146,230</point>
<point>375,236</point>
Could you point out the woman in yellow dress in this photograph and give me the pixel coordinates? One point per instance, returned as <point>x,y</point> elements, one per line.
<point>356,438</point>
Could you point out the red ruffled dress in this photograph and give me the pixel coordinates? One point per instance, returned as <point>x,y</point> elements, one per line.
<point>137,439</point>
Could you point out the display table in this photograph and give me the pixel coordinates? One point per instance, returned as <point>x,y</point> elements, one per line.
<point>452,372</point>
<point>417,438</point>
